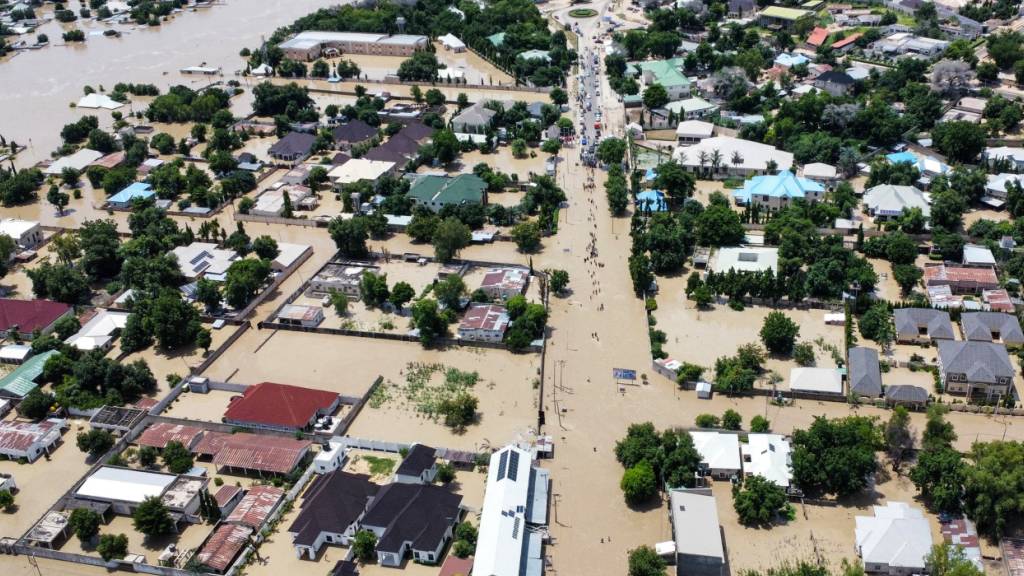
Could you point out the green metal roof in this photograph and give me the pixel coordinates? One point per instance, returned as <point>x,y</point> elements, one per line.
<point>22,380</point>
<point>497,39</point>
<point>464,188</point>
<point>784,13</point>
<point>666,72</point>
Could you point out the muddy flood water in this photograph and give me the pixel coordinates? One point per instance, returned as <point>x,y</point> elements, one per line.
<point>38,85</point>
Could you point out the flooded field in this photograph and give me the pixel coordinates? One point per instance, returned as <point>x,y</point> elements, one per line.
<point>465,65</point>
<point>42,481</point>
<point>190,536</point>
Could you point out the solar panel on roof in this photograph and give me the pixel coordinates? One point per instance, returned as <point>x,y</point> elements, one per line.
<point>748,257</point>
<point>513,468</point>
<point>502,465</point>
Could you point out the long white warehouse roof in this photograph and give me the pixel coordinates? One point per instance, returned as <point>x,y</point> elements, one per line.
<point>124,485</point>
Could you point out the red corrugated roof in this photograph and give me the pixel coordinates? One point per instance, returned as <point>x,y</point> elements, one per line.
<point>255,506</point>
<point>225,494</point>
<point>485,317</point>
<point>279,405</point>
<point>223,546</point>
<point>29,315</point>
<point>846,41</point>
<point>159,434</point>
<point>257,452</point>
<point>817,37</point>
<point>455,566</point>
<point>953,274</point>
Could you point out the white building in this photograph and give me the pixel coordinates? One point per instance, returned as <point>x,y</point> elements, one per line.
<point>719,453</point>
<point>124,489</point>
<point>817,380</point>
<point>1015,156</point>
<point>301,315</point>
<point>692,108</point>
<point>515,503</point>
<point>995,187</point>
<point>890,201</point>
<point>451,42</point>
<point>29,440</point>
<point>696,532</point>
<point>895,541</point>
<point>271,201</point>
<point>312,44</point>
<point>331,458</point>
<point>358,169</point>
<point>204,259</point>
<point>902,43</point>
<point>25,233</point>
<point>100,331</point>
<point>727,157</point>
<point>693,131</point>
<point>768,456</point>
<point>484,323</point>
<point>80,160</point>
<point>745,259</point>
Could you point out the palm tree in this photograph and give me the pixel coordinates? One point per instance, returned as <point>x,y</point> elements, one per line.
<point>737,158</point>
<point>716,160</point>
<point>703,159</point>
<point>772,166</point>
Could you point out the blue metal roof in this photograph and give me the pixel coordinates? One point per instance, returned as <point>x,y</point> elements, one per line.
<point>790,60</point>
<point>781,185</point>
<point>656,199</point>
<point>136,190</point>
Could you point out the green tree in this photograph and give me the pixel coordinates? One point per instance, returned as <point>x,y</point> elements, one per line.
<point>639,484</point>
<point>950,560</point>
<point>422,66</point>
<point>876,323</point>
<point>993,484</point>
<point>527,236</point>
<point>803,354</point>
<point>428,321</point>
<point>835,456</point>
<point>899,439</point>
<point>558,280</point>
<point>759,501</point>
<point>85,524</point>
<point>611,150</point>
<point>675,181</point>
<point>374,289</point>
<point>112,546</point>
<point>177,458</point>
<point>778,333</point>
<point>707,421</point>
<point>208,294</point>
<point>558,96</point>
<point>759,424</point>
<point>364,546</point>
<point>148,456</point>
<point>66,326</point>
<point>265,247</point>
<point>244,279</point>
<point>58,199</point>
<point>718,225</point>
<point>446,146</point>
<point>655,96</point>
<point>960,141</point>
<point>449,238</point>
<point>644,561</point>
<point>350,236</point>
<point>449,291</point>
<point>459,411</point>
<point>35,405</point>
<point>6,500</point>
<point>339,301</point>
<point>731,420</point>
<point>152,519</point>
<point>95,442</point>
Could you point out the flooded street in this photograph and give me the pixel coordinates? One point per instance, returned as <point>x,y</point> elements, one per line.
<point>40,84</point>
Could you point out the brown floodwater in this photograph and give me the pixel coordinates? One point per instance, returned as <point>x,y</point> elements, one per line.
<point>38,85</point>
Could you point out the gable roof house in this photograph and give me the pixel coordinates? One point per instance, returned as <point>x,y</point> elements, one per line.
<point>1012,155</point>
<point>293,148</point>
<point>475,119</point>
<point>221,548</point>
<point>719,453</point>
<point>416,518</point>
<point>864,372</point>
<point>22,380</point>
<point>894,541</point>
<point>922,325</point>
<point>272,406</point>
<point>435,192</point>
<point>887,201</point>
<point>697,535</point>
<point>667,73</point>
<point>961,279</point>
<point>484,323</point>
<point>31,315</point>
<point>992,327</point>
<point>975,369</point>
<point>768,456</point>
<point>778,190</point>
<point>100,331</point>
<point>159,434</point>
<point>418,467</point>
<point>399,149</point>
<point>504,283</point>
<point>204,260</point>
<point>834,82</point>
<point>754,157</point>
<point>906,395</point>
<point>255,506</point>
<point>259,453</point>
<point>332,504</point>
<point>352,133</point>
<point>29,440</point>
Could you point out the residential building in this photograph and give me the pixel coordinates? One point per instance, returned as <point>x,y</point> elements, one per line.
<point>329,510</point>
<point>255,506</point>
<point>301,315</point>
<point>978,255</point>
<point>816,380</point>
<point>864,372</point>
<point>995,188</point>
<point>253,453</point>
<point>922,325</point>
<point>992,327</point>
<point>528,55</point>
<point>961,279</point>
<point>741,8</point>
<point>716,157</point>
<point>484,323</point>
<point>159,434</point>
<point>474,119</point>
<point>788,60</point>
<point>137,191</point>
<point>768,456</point>
<point>435,192</point>
<point>928,166</point>
<point>452,43</point>
<point>27,316</point>
<point>998,300</point>
<point>776,191</point>
<point>888,201</point>
<point>341,277</point>
<point>100,331</point>
<point>204,260</point>
<point>510,541</point>
<point>1013,156</point>
<point>220,549</point>
<point>895,541</point>
<point>271,202</point>
<point>27,234</point>
<point>504,283</point>
<point>693,131</point>
<point>80,160</point>
<point>419,466</point>
<point>411,519</point>
<point>906,43</point>
<point>824,174</point>
<point>667,73</point>
<point>330,457</point>
<point>719,454</point>
<point>293,148</point>
<point>17,384</point>
<point>975,369</point>
<point>353,133</point>
<point>310,45</point>
<point>272,406</point>
<point>124,489</point>
<point>399,149</point>
<point>834,82</point>
<point>780,17</point>
<point>846,44</point>
<point>817,37</point>
<point>906,395</point>
<point>693,108</point>
<point>359,169</point>
<point>697,535</point>
<point>29,440</point>
<point>745,259</point>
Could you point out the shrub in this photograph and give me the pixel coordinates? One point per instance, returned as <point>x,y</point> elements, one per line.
<point>759,424</point>
<point>707,421</point>
<point>639,484</point>
<point>731,420</point>
<point>803,354</point>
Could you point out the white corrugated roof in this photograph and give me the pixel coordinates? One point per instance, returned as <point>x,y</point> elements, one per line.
<point>499,547</point>
<point>719,451</point>
<point>124,485</point>
<point>897,536</point>
<point>767,455</point>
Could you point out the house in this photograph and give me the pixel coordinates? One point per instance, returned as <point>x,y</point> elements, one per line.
<point>118,420</point>
<point>399,149</point>
<point>330,457</point>
<point>741,8</point>
<point>905,43</point>
<point>887,201</point>
<point>516,496</point>
<point>159,434</point>
<point>17,383</point>
<point>13,354</point>
<point>922,325</point>
<point>220,549</point>
<point>846,44</point>
<point>719,454</point>
<point>253,453</point>
<point>27,316</point>
<point>906,395</point>
<point>992,327</point>
<point>693,131</point>
<point>227,497</point>
<point>301,315</point>
<point>995,188</point>
<point>834,82</point>
<point>27,234</point>
<point>412,519</point>
<point>255,506</point>
<point>540,55</point>
<point>497,39</point>
<point>978,255</point>
<point>136,191</point>
<point>435,192</point>
<point>975,369</point>
<point>928,166</point>
<point>816,380</point>
<point>484,323</point>
<point>79,161</point>
<point>29,440</point>
<point>667,73</point>
<point>272,406</point>
<point>651,201</point>
<point>359,169</point>
<point>961,279</point>
<point>722,157</point>
<point>895,541</point>
<point>776,191</point>
<point>788,60</point>
<point>780,17</point>
<point>1008,154</point>
<point>419,466</point>
<point>768,456</point>
<point>293,148</point>
<point>696,532</point>
<point>204,260</point>
<point>452,43</point>
<point>864,372</point>
<point>312,44</point>
<point>341,277</point>
<point>504,283</point>
<point>124,489</point>
<point>271,202</point>
<point>353,133</point>
<point>100,331</point>
<point>998,300</point>
<point>331,505</point>
<point>817,37</point>
<point>745,259</point>
<point>475,119</point>
<point>693,108</point>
